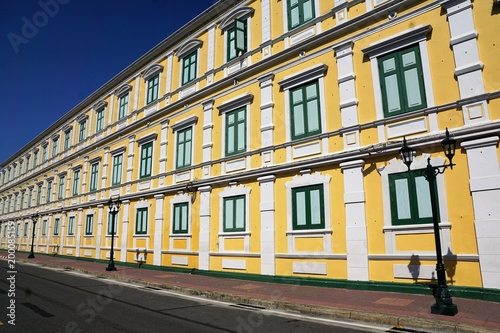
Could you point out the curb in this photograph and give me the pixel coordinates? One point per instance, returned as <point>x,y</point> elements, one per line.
<point>316,310</point>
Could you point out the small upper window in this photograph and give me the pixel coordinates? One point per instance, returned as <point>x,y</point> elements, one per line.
<point>237,39</point>
<point>189,64</point>
<point>299,12</point>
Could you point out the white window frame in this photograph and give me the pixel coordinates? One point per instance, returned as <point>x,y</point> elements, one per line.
<point>149,73</point>
<point>184,50</point>
<point>410,37</point>
<point>303,31</point>
<point>308,179</point>
<point>391,231</point>
<point>232,191</point>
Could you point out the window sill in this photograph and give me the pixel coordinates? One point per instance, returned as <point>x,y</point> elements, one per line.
<point>415,227</point>
<point>234,233</point>
<point>309,232</point>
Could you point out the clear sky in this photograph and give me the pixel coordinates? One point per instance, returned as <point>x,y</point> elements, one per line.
<point>54,56</point>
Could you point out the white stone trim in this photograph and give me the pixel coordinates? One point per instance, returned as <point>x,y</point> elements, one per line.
<point>231,191</point>
<point>180,198</point>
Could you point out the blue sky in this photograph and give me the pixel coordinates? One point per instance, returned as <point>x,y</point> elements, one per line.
<point>54,56</point>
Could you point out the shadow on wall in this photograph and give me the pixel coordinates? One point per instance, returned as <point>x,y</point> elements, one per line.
<point>450,263</point>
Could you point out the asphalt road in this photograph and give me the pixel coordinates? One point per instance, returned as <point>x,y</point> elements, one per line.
<point>54,300</point>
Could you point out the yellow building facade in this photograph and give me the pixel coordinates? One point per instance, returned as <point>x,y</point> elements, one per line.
<point>263,138</point>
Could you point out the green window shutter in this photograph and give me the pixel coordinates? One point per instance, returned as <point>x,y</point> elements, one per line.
<point>308,211</point>
<point>67,136</point>
<point>189,64</point>
<point>234,214</point>
<point>110,228</point>
<point>81,135</point>
<point>89,225</point>
<point>180,223</point>
<point>305,110</point>
<point>49,192</point>
<point>146,160</point>
<point>44,227</point>
<point>184,146</point>
<point>76,182</point>
<point>141,221</point>
<point>401,81</point>
<point>94,172</point>
<point>116,178</point>
<point>56,227</point>
<point>123,108</point>
<point>153,89</point>
<point>241,35</point>
<point>100,120</point>
<point>60,192</point>
<point>71,226</point>
<point>410,198</point>
<point>236,131</point>
<point>299,12</point>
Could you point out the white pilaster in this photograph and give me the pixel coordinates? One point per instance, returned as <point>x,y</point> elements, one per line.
<point>204,247</point>
<point>267,230</point>
<point>130,157</point>
<point>136,93</point>
<point>356,237</point>
<point>347,92</point>
<point>208,109</point>
<point>163,147</point>
<point>78,232</point>
<point>266,116</point>
<point>105,162</point>
<point>158,230</point>
<point>124,236</point>
<point>484,174</point>
<point>99,231</point>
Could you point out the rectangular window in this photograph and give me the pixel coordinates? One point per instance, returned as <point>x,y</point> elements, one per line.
<point>116,177</point>
<point>35,159</point>
<point>153,89</point>
<point>236,132</point>
<point>305,110</point>
<point>234,214</point>
<point>141,221</point>
<point>112,230</point>
<point>299,12</point>
<point>184,146</point>
<point>308,211</point>
<point>123,106</point>
<point>180,223</point>
<point>49,191</point>
<point>39,195</point>
<point>21,205</point>
<point>67,137</point>
<point>54,147</point>
<point>44,227</point>
<point>18,229</point>
<point>56,227</point>
<point>76,182</point>
<point>28,162</point>
<point>189,67</point>
<point>401,81</point>
<point>71,226</point>
<point>94,172</point>
<point>60,191</point>
<point>21,168</point>
<point>146,160</point>
<point>15,202</point>
<point>26,226</point>
<point>81,134</point>
<point>44,154</point>
<point>89,225</point>
<point>99,126</point>
<point>410,198</point>
<point>236,39</point>
<point>30,197</point>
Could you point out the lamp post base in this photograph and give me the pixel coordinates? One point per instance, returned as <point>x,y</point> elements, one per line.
<point>31,255</point>
<point>111,268</point>
<point>444,304</point>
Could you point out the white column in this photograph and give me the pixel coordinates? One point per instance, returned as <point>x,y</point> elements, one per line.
<point>267,231</point>
<point>208,108</point>
<point>105,163</point>
<point>204,248</point>
<point>266,118</point>
<point>136,92</point>
<point>62,236</point>
<point>211,48</point>
<point>110,109</point>
<point>84,174</point>
<point>99,231</point>
<point>168,82</point>
<point>355,207</point>
<point>266,28</point>
<point>347,94</point>
<point>484,174</point>
<point>124,236</point>
<point>158,241</point>
<point>78,231</point>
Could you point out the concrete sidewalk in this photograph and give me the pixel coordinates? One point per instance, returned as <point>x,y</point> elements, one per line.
<point>408,311</point>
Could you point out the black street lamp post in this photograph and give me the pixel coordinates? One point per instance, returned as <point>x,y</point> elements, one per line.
<point>114,208</point>
<point>444,304</point>
<point>34,218</point>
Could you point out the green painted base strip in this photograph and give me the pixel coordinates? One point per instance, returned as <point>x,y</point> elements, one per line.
<point>485,294</point>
